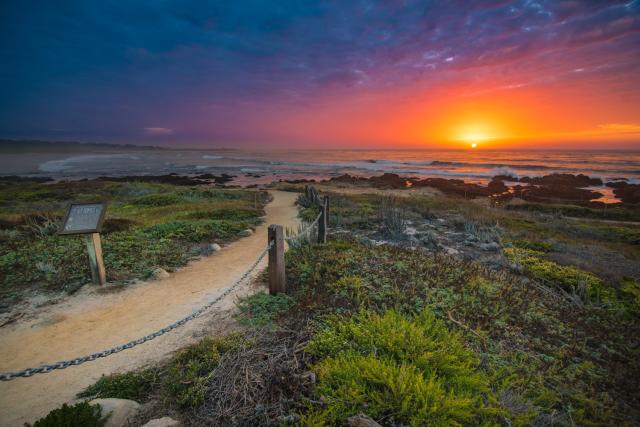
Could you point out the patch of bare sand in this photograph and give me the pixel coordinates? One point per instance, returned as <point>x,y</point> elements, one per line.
<point>93,321</point>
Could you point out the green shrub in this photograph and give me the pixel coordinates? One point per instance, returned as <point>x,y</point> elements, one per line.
<point>571,279</point>
<point>187,375</point>
<point>130,385</point>
<point>262,309</point>
<point>195,230</point>
<point>158,200</point>
<point>534,246</point>
<point>400,370</point>
<point>78,415</point>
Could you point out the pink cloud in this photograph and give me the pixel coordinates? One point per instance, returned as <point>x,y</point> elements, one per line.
<point>158,131</point>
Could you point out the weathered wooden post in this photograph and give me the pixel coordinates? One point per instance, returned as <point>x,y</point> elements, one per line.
<point>87,218</point>
<point>96,262</point>
<point>277,278</point>
<point>323,221</point>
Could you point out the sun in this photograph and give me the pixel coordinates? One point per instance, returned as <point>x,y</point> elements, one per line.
<point>474,145</point>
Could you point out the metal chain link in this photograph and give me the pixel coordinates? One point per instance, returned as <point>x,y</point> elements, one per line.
<point>306,230</point>
<point>43,369</point>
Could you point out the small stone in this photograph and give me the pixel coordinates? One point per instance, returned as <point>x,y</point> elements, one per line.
<point>162,422</point>
<point>215,247</point>
<point>361,420</point>
<point>121,412</point>
<point>246,233</point>
<point>159,273</point>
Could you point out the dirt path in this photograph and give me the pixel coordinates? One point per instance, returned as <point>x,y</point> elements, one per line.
<point>92,322</point>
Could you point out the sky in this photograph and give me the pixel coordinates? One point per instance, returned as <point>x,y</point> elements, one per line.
<point>323,74</point>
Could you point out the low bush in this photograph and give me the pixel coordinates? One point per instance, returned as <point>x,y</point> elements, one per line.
<point>534,246</point>
<point>571,279</point>
<point>399,369</point>
<point>185,379</point>
<point>262,309</point>
<point>79,415</point>
<point>158,200</point>
<point>130,385</point>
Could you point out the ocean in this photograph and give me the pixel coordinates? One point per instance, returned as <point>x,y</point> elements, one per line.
<point>264,166</point>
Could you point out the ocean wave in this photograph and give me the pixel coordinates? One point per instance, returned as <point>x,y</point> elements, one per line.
<point>435,163</point>
<point>69,162</point>
<point>209,157</point>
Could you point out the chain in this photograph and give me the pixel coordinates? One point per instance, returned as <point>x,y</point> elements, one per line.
<point>306,230</point>
<point>43,369</point>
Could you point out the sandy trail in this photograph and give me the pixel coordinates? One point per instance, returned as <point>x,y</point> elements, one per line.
<point>93,322</point>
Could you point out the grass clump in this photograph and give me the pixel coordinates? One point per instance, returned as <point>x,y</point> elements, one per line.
<point>261,309</point>
<point>79,415</point>
<point>569,278</point>
<point>181,382</point>
<point>185,379</point>
<point>130,385</point>
<point>533,246</point>
<point>398,369</point>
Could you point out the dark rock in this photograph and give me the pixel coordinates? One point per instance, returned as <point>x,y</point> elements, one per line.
<point>389,180</point>
<point>496,186</point>
<point>563,179</point>
<point>556,192</point>
<point>298,181</point>
<point>628,193</point>
<point>173,178</point>
<point>18,179</point>
<point>454,187</point>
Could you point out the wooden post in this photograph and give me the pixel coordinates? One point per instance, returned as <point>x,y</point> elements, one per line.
<point>322,222</point>
<point>94,248</point>
<point>277,278</point>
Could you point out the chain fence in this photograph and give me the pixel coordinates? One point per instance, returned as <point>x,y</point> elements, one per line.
<point>302,233</point>
<point>43,369</point>
<point>63,364</point>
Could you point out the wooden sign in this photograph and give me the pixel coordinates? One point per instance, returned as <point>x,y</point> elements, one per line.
<point>87,218</point>
<point>84,218</point>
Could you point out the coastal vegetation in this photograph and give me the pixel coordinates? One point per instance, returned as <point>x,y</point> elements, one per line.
<point>404,331</point>
<point>148,225</point>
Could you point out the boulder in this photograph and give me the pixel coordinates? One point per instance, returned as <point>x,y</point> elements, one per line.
<point>215,247</point>
<point>162,422</point>
<point>121,412</point>
<point>159,273</point>
<point>246,233</point>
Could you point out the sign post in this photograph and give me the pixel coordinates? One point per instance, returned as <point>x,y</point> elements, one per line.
<point>87,218</point>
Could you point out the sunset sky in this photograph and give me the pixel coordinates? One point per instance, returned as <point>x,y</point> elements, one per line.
<point>558,74</point>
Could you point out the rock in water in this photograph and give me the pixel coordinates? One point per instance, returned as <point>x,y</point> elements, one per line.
<point>162,422</point>
<point>122,412</point>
